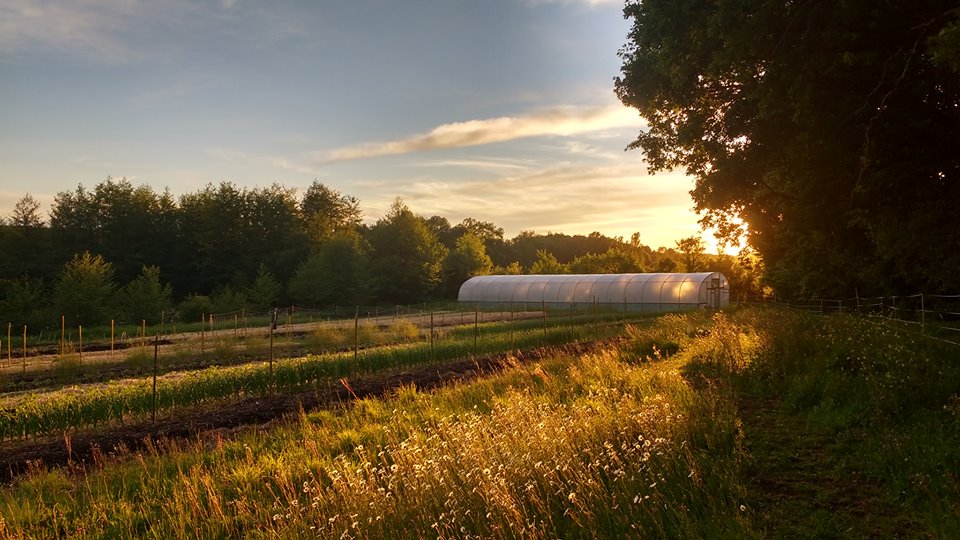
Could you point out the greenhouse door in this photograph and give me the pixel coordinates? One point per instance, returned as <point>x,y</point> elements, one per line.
<point>715,292</point>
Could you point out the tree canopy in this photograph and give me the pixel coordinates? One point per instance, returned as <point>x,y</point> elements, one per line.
<point>224,248</point>
<point>831,128</point>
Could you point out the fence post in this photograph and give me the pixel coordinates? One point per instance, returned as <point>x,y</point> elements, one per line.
<point>356,333</point>
<point>24,348</point>
<point>596,320</point>
<point>431,336</point>
<point>202,334</point>
<point>923,316</point>
<point>63,332</point>
<point>476,328</point>
<point>111,335</point>
<point>9,330</point>
<point>80,336</point>
<point>511,324</point>
<point>156,354</point>
<point>543,306</point>
<point>273,325</point>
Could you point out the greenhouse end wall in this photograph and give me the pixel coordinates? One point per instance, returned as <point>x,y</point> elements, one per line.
<point>653,293</point>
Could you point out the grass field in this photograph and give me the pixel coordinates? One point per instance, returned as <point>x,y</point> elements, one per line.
<point>754,423</point>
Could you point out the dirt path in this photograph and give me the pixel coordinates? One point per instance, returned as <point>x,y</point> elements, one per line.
<point>17,457</point>
<point>803,484</point>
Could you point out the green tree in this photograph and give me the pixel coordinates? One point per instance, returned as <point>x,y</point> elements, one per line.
<point>546,263</point>
<point>24,301</point>
<point>226,299</point>
<point>692,250</point>
<point>121,222</point>
<point>27,243</point>
<point>406,256</point>
<point>193,307</point>
<point>337,274</point>
<point>830,128</point>
<point>512,269</point>
<point>26,213</point>
<point>84,292</point>
<point>146,298</point>
<point>264,291</point>
<point>274,232</point>
<point>469,258</point>
<point>327,212</point>
<point>617,260</point>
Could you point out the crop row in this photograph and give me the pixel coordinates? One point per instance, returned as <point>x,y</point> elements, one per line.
<point>63,411</point>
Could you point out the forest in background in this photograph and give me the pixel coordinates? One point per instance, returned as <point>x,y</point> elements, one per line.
<point>126,252</point>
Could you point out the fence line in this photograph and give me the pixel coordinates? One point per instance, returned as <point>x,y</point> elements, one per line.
<point>932,313</point>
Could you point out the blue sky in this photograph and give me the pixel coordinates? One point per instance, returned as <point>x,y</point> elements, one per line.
<point>501,110</point>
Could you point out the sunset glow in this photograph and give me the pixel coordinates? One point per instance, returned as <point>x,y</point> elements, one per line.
<point>501,111</point>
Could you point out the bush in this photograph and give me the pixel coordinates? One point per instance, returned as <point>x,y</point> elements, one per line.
<point>194,307</point>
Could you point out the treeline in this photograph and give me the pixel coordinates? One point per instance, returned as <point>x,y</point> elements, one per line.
<point>127,252</point>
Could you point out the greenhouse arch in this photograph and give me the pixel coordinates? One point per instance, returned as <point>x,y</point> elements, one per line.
<point>631,292</point>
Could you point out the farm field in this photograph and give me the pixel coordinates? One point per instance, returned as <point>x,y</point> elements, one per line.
<point>751,423</point>
<point>231,341</point>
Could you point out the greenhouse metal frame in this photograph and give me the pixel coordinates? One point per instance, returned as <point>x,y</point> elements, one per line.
<point>629,292</point>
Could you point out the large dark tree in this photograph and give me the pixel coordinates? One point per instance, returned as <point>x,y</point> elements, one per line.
<point>832,128</point>
<point>130,225</point>
<point>326,212</point>
<point>406,256</point>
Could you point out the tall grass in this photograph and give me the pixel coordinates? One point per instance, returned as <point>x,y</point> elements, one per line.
<point>642,440</point>
<point>598,446</point>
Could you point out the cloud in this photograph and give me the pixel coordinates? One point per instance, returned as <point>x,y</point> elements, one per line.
<point>277,162</point>
<point>91,26</point>
<point>563,121</point>
<point>573,198</point>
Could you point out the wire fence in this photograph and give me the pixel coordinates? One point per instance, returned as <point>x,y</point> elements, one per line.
<point>199,334</point>
<point>933,316</point>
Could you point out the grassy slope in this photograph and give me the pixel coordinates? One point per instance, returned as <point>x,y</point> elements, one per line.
<point>759,424</point>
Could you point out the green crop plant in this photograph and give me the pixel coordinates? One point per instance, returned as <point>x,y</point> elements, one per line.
<point>65,410</point>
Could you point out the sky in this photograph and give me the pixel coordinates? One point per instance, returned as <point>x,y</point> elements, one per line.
<point>500,110</point>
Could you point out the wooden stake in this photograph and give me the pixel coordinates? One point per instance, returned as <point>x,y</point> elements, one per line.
<point>111,335</point>
<point>156,354</point>
<point>511,324</point>
<point>202,336</point>
<point>63,332</point>
<point>24,348</point>
<point>543,306</point>
<point>80,329</point>
<point>273,324</point>
<point>356,334</point>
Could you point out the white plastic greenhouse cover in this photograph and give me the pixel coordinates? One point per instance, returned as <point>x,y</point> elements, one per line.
<point>634,292</point>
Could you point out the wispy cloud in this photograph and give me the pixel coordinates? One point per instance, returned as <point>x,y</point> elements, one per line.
<point>615,199</point>
<point>276,162</point>
<point>564,121</point>
<point>80,25</point>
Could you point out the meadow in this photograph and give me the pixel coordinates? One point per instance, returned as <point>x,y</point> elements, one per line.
<point>750,423</point>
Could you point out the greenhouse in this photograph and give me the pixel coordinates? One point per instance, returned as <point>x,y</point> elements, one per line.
<point>629,292</point>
